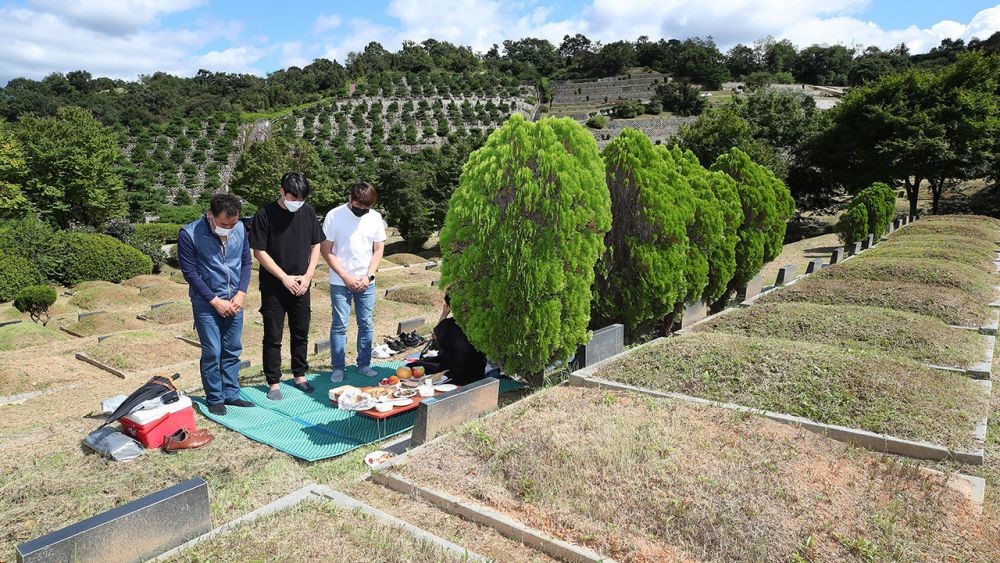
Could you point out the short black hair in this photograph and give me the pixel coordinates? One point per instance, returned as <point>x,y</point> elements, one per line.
<point>296,185</point>
<point>364,193</point>
<point>227,204</point>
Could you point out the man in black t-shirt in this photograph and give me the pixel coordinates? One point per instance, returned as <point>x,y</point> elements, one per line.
<point>285,238</point>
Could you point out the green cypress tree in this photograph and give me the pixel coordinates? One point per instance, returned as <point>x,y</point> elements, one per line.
<point>523,231</point>
<point>718,216</point>
<point>645,272</point>
<point>880,205</point>
<point>767,205</point>
<point>852,225</point>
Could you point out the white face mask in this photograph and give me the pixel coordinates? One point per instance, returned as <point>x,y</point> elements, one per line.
<point>294,206</point>
<point>222,232</point>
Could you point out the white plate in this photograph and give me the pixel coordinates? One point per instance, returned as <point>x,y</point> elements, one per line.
<point>373,459</point>
<point>400,402</point>
<point>445,387</point>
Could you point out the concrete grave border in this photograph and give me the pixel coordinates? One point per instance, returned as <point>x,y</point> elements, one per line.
<point>70,332</point>
<point>9,323</point>
<point>976,370</point>
<point>322,493</point>
<point>187,340</point>
<point>484,516</point>
<point>87,359</point>
<point>84,315</point>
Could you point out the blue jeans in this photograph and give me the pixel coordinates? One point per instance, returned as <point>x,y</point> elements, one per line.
<point>364,304</point>
<point>221,346</point>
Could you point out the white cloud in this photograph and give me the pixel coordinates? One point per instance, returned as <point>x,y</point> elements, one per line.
<point>326,23</point>
<point>112,17</point>
<point>233,59</point>
<point>293,54</point>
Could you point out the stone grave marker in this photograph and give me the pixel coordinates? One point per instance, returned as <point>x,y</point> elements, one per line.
<point>694,312</point>
<point>436,415</point>
<point>321,346</point>
<point>837,256</point>
<point>434,283</point>
<point>155,306</point>
<point>244,364</point>
<point>868,242</point>
<point>409,325</point>
<point>103,338</point>
<point>786,274</point>
<point>431,265</point>
<point>135,531</point>
<point>605,343</point>
<point>752,289</point>
<point>814,265</point>
<point>897,223</point>
<point>81,316</point>
<point>856,248</point>
<point>390,291</point>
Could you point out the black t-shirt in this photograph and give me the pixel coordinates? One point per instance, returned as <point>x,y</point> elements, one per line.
<point>287,238</point>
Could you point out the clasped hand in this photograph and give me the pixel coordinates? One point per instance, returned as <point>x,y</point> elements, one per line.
<point>357,284</point>
<point>296,285</point>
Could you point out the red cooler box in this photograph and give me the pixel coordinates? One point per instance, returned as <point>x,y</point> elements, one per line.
<point>152,426</point>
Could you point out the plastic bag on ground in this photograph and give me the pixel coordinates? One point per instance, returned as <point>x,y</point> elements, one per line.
<point>113,445</point>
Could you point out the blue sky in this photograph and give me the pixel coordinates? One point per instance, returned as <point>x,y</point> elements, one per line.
<point>125,38</point>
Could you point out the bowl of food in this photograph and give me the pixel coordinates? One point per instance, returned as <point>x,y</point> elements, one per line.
<point>384,407</point>
<point>405,393</point>
<point>426,390</point>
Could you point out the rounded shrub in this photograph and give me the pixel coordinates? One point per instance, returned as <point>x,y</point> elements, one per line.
<point>16,272</point>
<point>597,121</point>
<point>645,271</point>
<point>162,233</point>
<point>852,226</point>
<point>767,205</point>
<point>880,205</point>
<point>100,257</point>
<point>35,300</point>
<point>524,228</point>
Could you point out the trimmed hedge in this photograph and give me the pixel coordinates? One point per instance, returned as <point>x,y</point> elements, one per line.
<point>16,272</point>
<point>852,225</point>
<point>100,257</point>
<point>163,233</point>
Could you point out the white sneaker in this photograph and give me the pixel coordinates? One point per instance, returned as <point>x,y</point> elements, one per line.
<point>337,376</point>
<point>381,352</point>
<point>367,371</point>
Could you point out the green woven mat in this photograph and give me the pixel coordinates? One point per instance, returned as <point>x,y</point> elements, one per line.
<point>307,426</point>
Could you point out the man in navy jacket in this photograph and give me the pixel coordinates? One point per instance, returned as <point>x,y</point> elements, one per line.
<point>214,254</point>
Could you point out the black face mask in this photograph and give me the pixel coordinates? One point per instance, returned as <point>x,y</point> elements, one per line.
<point>357,211</point>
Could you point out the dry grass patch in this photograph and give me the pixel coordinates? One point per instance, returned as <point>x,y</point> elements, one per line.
<point>418,295</point>
<point>140,351</point>
<point>27,334</point>
<point>147,280</point>
<point>800,253</point>
<point>951,305</point>
<point>105,323</point>
<point>920,338</point>
<point>971,226</point>
<point>165,292</point>
<point>970,279</point>
<point>333,533</point>
<point>405,259</point>
<point>640,479</point>
<point>95,295</point>
<point>861,389</point>
<point>406,276</point>
<point>972,256</point>
<point>174,313</point>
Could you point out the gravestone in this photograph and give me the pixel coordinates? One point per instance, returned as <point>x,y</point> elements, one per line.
<point>855,248</point>
<point>390,291</point>
<point>244,364</point>
<point>155,306</point>
<point>752,289</point>
<point>694,312</point>
<point>436,415</point>
<point>322,346</point>
<point>868,242</point>
<point>837,256</point>
<point>814,265</point>
<point>786,274</point>
<point>431,265</point>
<point>409,325</point>
<point>896,224</point>
<point>605,343</point>
<point>134,531</point>
<point>81,316</point>
<point>103,338</point>
<point>434,283</point>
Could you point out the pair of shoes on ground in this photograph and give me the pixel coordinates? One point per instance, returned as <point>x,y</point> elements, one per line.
<point>220,409</point>
<point>186,440</point>
<point>276,395</point>
<point>383,351</point>
<point>404,340</point>
<point>337,375</point>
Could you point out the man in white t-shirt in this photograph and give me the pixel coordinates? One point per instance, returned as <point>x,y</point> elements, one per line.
<point>355,240</point>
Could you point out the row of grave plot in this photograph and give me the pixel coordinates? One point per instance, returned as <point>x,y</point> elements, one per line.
<point>855,350</point>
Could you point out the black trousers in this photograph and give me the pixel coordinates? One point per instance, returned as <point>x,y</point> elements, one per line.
<point>274,305</point>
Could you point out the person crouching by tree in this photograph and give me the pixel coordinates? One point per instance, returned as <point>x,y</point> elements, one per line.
<point>355,240</point>
<point>285,240</point>
<point>214,255</point>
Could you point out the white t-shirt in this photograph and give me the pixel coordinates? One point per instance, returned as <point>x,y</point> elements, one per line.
<point>352,239</point>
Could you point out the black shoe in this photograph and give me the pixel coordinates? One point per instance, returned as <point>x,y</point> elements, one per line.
<point>395,345</point>
<point>417,338</point>
<point>304,387</point>
<point>410,339</point>
<point>239,403</point>
<point>217,410</point>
